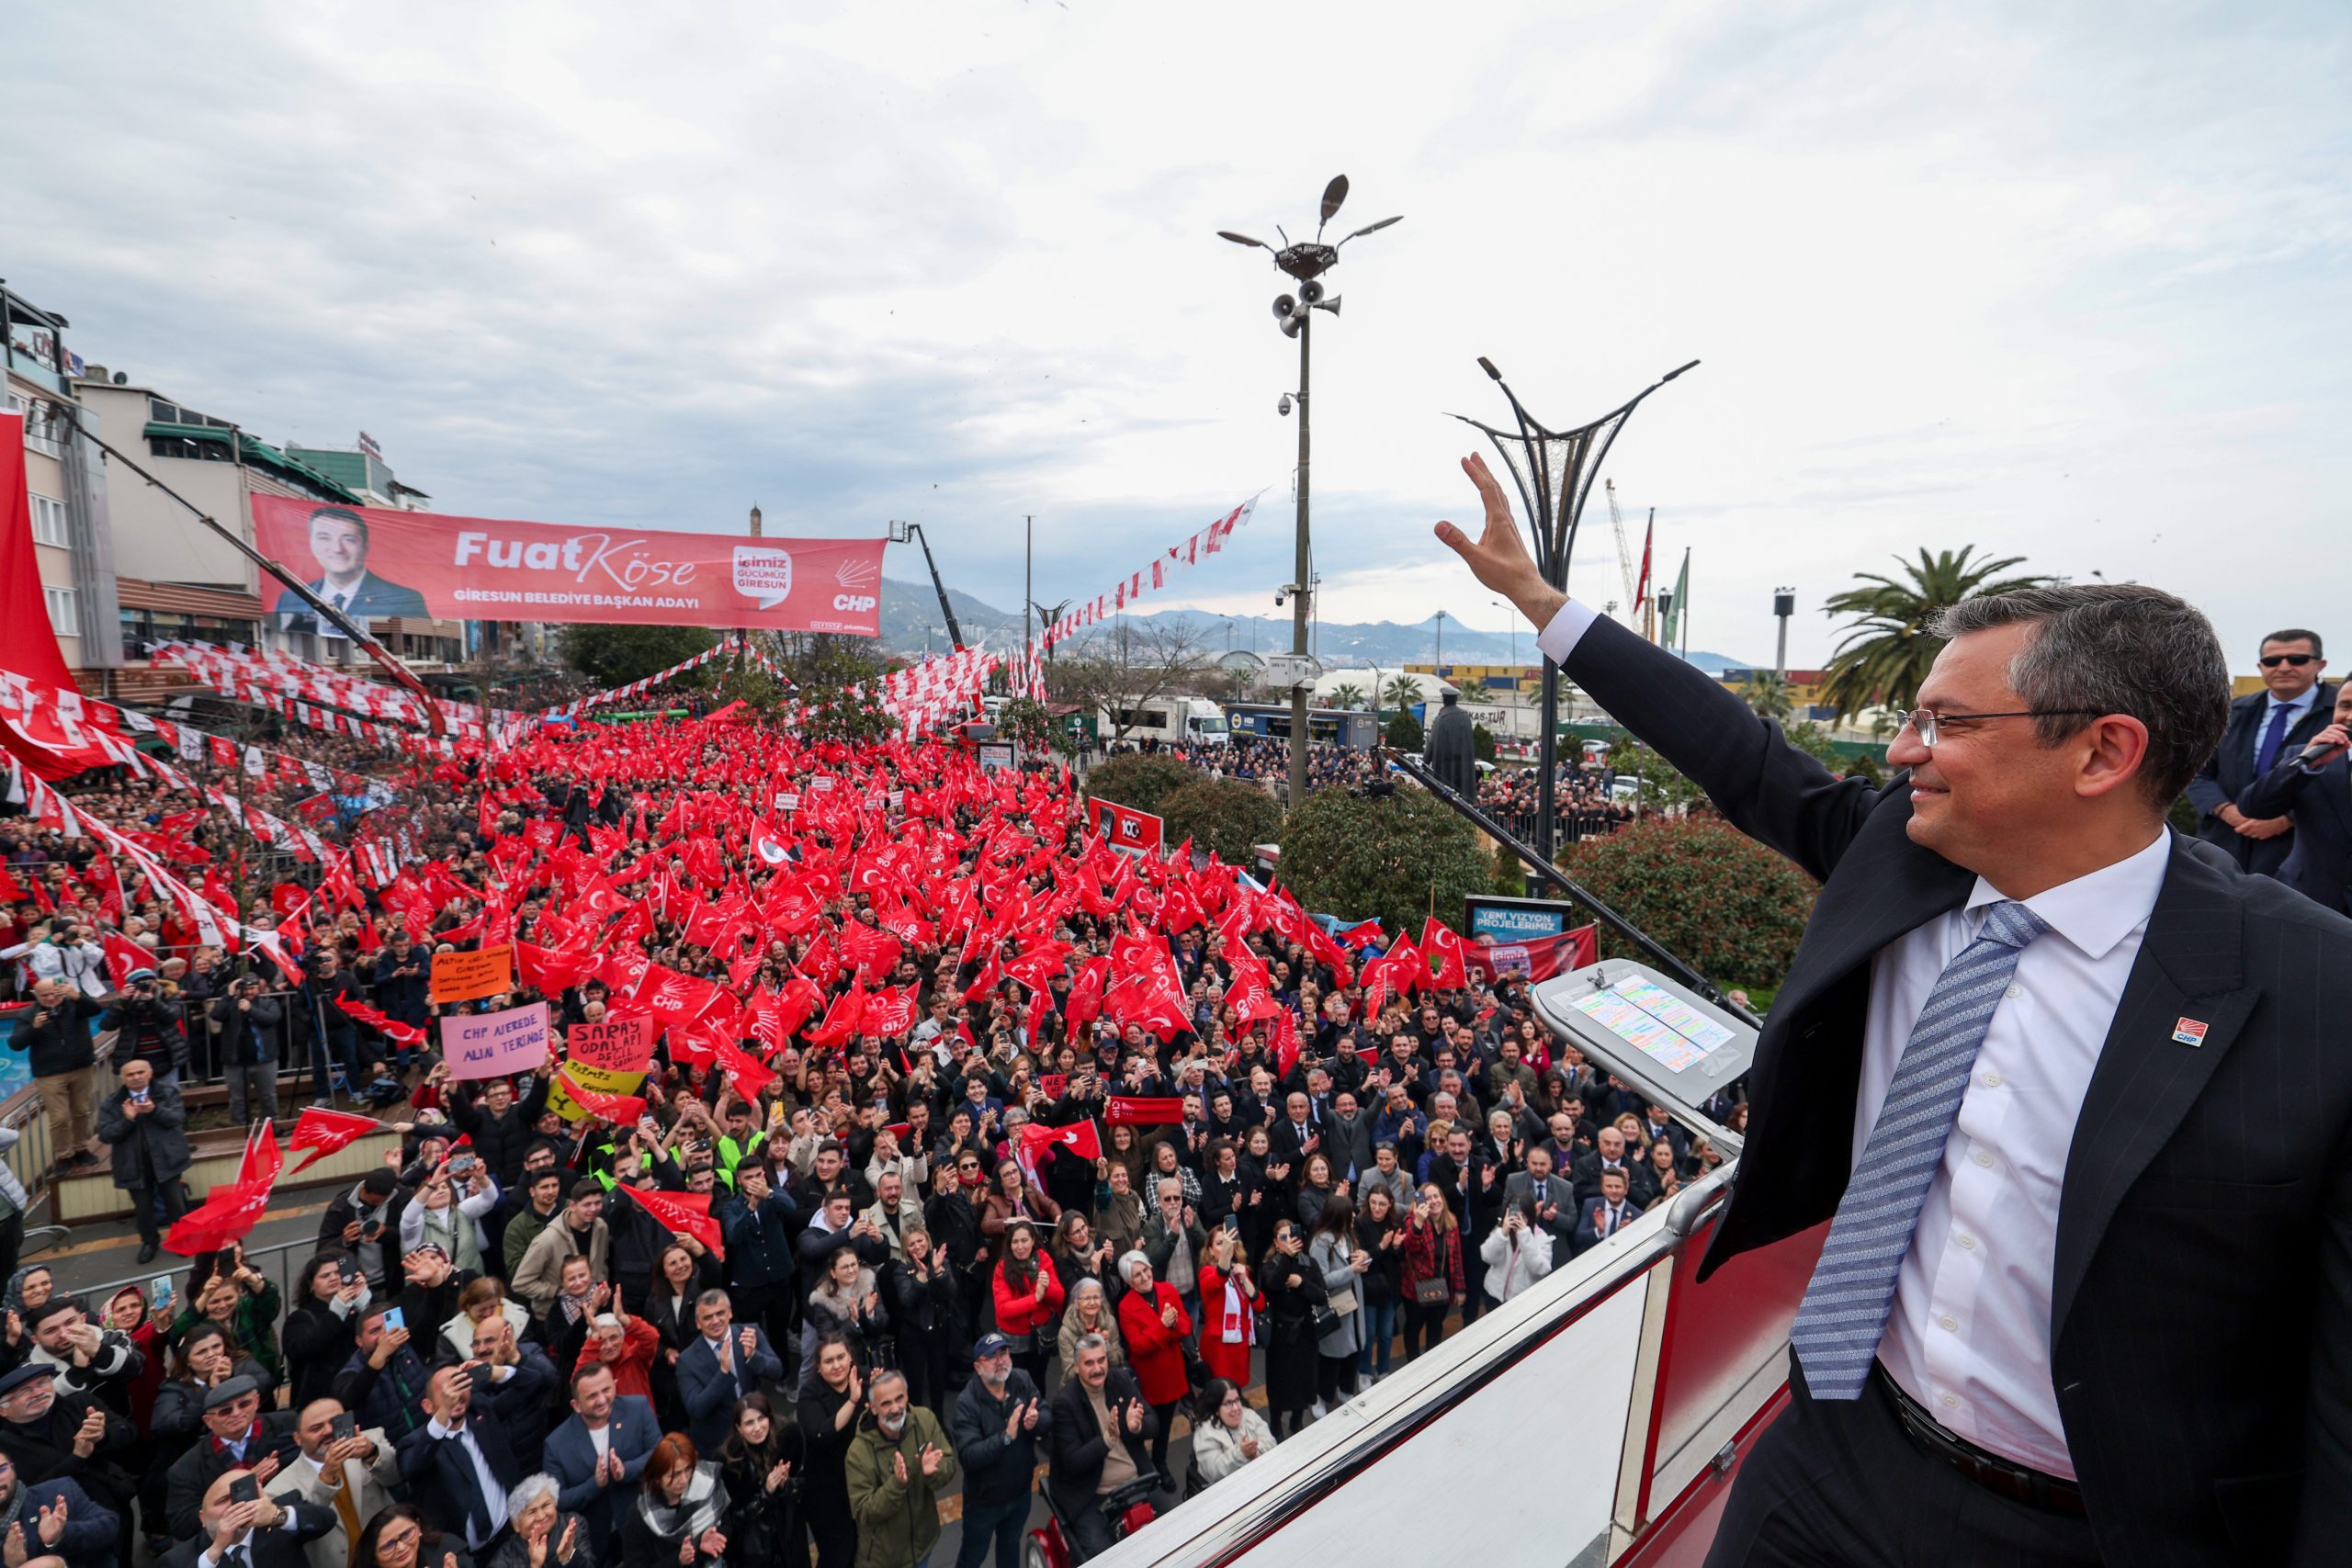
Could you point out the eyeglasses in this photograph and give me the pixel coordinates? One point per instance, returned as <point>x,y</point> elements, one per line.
<point>1926,723</point>
<point>2272,660</point>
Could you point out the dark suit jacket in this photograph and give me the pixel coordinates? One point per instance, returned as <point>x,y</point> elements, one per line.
<point>1076,1450</point>
<point>1588,1234</point>
<point>2228,772</point>
<point>2319,866</point>
<point>374,597</point>
<point>572,1460</point>
<point>440,1473</point>
<point>279,1547</point>
<point>203,1465</point>
<point>91,1531</point>
<point>1562,1226</point>
<point>710,1394</point>
<point>2205,1185</point>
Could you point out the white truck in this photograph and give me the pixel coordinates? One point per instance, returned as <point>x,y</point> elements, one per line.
<point>1171,721</point>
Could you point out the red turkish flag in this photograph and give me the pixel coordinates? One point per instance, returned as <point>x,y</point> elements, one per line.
<point>618,1108</point>
<point>1446,949</point>
<point>1080,1140</point>
<point>1252,991</point>
<point>889,1012</point>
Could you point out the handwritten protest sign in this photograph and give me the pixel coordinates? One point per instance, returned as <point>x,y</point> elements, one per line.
<point>463,977</point>
<point>493,1044</point>
<point>614,1043</point>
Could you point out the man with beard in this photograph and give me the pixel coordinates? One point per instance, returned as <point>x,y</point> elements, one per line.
<point>899,1464</point>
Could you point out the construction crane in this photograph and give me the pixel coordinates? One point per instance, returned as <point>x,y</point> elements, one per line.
<point>900,534</point>
<point>1625,566</point>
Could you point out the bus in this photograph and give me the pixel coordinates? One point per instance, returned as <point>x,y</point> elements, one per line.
<point>1356,730</point>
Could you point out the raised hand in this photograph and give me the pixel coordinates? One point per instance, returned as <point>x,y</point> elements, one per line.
<point>932,1460</point>
<point>1498,557</point>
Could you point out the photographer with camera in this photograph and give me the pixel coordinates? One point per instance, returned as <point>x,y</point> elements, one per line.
<point>56,1036</point>
<point>246,1024</point>
<point>150,1026</point>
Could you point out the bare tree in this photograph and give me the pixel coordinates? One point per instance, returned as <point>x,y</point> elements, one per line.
<point>1122,667</point>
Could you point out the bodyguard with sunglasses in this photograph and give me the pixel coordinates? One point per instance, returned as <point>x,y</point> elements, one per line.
<point>2068,1088</point>
<point>2264,729</point>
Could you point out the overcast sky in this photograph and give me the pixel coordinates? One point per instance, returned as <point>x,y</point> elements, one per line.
<point>2066,282</point>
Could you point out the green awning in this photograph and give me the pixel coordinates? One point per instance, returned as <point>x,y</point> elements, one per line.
<point>260,454</point>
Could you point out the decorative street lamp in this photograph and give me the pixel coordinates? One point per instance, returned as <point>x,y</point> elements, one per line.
<point>1554,470</point>
<point>1307,260</point>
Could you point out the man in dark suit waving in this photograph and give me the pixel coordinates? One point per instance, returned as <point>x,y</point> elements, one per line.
<point>722,1365</point>
<point>2264,729</point>
<point>2064,1086</point>
<point>2318,797</point>
<point>458,1464</point>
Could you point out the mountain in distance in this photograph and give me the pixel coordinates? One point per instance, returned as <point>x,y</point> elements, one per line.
<point>908,607</point>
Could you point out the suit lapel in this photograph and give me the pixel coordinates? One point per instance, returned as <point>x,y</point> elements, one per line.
<point>1883,887</point>
<point>2191,967</point>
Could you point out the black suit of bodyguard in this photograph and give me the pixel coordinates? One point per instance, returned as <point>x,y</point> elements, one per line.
<point>2199,1339</point>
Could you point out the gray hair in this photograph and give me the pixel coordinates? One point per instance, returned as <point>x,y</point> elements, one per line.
<point>1085,1283</point>
<point>714,1297</point>
<point>1128,1261</point>
<point>880,1375</point>
<point>529,1490</point>
<point>2114,649</point>
<point>1086,1342</point>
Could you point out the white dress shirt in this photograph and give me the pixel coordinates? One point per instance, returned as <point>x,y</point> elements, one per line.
<point>493,1495</point>
<point>1969,1335</point>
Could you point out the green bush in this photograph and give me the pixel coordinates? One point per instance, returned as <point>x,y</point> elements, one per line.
<point>1482,743</point>
<point>614,656</point>
<point>1396,857</point>
<point>1723,902</point>
<point>1225,816</point>
<point>1404,731</point>
<point>1141,780</point>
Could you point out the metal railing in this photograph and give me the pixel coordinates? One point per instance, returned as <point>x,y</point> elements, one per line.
<point>273,1261</point>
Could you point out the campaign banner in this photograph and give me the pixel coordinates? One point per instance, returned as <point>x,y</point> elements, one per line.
<point>616,1044</point>
<point>1124,828</point>
<point>374,563</point>
<point>469,976</point>
<point>494,1044</point>
<point>1537,960</point>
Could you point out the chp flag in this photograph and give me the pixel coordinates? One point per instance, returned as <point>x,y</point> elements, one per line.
<point>1125,829</point>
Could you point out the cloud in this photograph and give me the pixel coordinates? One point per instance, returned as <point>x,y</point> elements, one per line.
<point>2037,281</point>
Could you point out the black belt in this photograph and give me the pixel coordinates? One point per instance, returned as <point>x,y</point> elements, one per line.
<point>2051,1494</point>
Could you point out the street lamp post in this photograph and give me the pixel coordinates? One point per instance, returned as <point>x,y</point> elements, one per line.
<point>1554,470</point>
<point>1305,261</point>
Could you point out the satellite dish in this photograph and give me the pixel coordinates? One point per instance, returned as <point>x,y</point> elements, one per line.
<point>1334,194</point>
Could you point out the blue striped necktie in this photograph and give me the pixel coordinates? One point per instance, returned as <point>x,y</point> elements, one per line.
<point>1844,1312</point>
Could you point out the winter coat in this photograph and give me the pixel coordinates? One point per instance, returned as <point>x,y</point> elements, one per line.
<point>897,1522</point>
<point>61,1043</point>
<point>1155,1350</point>
<point>997,1469</point>
<point>1329,1254</point>
<point>148,1149</point>
<point>1216,1448</point>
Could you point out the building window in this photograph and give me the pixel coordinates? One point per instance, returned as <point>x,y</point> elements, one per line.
<point>41,424</point>
<point>48,522</point>
<point>64,618</point>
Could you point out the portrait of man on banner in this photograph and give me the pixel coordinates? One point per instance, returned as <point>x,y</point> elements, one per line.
<point>338,539</point>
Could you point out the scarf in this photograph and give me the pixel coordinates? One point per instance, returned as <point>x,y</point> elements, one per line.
<point>1240,1322</point>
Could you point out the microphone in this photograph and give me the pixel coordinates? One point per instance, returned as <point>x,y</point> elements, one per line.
<point>2317,752</point>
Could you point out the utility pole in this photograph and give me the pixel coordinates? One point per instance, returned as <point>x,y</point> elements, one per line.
<point>1028,567</point>
<point>1298,580</point>
<point>1784,605</point>
<point>1438,663</point>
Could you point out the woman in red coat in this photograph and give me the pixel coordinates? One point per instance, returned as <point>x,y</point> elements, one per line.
<point>1230,1303</point>
<point>1028,1297</point>
<point>1153,1322</point>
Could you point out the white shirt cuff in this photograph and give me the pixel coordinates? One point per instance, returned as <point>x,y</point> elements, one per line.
<point>1559,639</point>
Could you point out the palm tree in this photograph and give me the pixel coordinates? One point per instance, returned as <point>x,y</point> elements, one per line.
<point>1402,691</point>
<point>1767,692</point>
<point>1886,653</point>
<point>1347,696</point>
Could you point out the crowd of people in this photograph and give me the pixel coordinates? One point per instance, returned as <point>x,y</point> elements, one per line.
<point>1032,1212</point>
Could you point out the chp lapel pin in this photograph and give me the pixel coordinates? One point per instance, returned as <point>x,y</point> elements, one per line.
<point>2189,1031</point>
